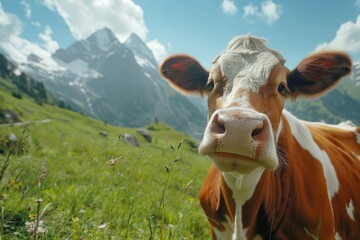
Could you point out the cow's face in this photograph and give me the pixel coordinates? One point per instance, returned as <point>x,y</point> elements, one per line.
<point>245,97</point>
<point>246,89</point>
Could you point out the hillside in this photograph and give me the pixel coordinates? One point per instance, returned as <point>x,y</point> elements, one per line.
<point>334,107</point>
<point>79,178</point>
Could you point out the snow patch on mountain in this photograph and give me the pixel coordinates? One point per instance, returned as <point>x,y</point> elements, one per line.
<point>355,76</point>
<point>143,62</point>
<point>143,54</point>
<point>48,65</point>
<point>80,68</point>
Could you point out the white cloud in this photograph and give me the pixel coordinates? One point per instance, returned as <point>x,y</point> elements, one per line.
<point>251,10</point>
<point>347,38</point>
<point>27,8</point>
<point>229,7</point>
<point>158,49</point>
<point>123,17</point>
<point>12,44</point>
<point>49,43</point>
<point>9,25</point>
<point>84,17</point>
<point>270,12</point>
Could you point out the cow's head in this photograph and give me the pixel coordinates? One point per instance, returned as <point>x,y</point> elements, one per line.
<point>246,89</point>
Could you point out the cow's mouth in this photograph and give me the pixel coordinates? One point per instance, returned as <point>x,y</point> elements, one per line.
<point>231,162</point>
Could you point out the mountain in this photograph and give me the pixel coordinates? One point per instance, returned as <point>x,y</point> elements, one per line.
<point>115,82</point>
<point>352,84</point>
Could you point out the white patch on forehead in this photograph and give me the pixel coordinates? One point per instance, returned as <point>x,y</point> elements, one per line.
<point>248,62</point>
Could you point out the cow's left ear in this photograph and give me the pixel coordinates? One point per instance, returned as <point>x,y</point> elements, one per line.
<point>185,74</point>
<point>318,73</point>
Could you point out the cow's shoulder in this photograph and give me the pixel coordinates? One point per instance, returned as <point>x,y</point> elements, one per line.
<point>213,200</point>
<point>343,137</point>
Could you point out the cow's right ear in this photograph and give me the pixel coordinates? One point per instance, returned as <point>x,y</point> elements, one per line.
<point>185,74</point>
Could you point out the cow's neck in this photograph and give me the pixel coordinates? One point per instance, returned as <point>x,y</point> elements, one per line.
<point>242,187</point>
<point>264,200</point>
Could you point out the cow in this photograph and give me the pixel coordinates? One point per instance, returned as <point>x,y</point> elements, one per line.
<point>273,175</point>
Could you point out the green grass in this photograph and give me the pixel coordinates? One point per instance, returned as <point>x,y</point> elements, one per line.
<point>77,184</point>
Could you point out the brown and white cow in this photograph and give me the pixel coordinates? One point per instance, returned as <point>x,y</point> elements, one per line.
<point>274,176</point>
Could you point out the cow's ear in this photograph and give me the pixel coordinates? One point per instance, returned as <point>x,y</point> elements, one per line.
<point>185,74</point>
<point>318,73</point>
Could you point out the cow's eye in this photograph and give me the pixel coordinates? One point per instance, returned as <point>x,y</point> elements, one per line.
<point>210,86</point>
<point>281,89</point>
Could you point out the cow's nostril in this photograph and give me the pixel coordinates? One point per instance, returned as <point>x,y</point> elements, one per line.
<point>217,125</point>
<point>221,128</point>
<point>257,131</point>
<point>218,128</point>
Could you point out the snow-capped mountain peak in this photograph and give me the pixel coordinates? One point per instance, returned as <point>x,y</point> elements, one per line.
<point>143,54</point>
<point>102,39</point>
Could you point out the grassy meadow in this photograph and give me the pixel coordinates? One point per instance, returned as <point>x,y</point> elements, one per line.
<point>65,180</point>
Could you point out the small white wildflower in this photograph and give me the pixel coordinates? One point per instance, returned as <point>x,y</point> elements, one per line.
<point>102,226</point>
<point>30,228</point>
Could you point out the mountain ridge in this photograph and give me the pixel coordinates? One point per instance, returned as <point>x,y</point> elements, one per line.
<point>116,82</point>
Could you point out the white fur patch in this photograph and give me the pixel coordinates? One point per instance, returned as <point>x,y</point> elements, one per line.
<point>350,210</point>
<point>303,136</point>
<point>247,71</point>
<point>278,132</point>
<point>247,63</point>
<point>243,187</point>
<point>228,232</point>
<point>337,236</point>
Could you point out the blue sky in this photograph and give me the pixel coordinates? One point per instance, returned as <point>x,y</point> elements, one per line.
<point>201,28</point>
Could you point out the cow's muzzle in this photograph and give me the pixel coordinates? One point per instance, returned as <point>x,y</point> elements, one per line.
<point>239,140</point>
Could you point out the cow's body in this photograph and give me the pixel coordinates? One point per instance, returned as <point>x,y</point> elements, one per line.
<point>315,186</point>
<point>274,176</point>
